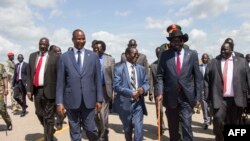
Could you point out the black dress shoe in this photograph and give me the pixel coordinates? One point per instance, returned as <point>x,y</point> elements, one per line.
<point>23,114</point>
<point>9,126</point>
<point>205,127</point>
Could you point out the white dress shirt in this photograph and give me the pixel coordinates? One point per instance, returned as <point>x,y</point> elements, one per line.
<point>20,70</point>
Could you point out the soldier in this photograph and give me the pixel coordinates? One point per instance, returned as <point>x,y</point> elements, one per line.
<point>10,68</point>
<point>3,94</point>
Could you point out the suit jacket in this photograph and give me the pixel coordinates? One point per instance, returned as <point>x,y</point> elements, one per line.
<point>49,75</point>
<point>23,71</point>
<point>74,85</point>
<point>238,54</point>
<point>123,88</point>
<point>153,78</point>
<point>109,63</point>
<point>214,81</point>
<point>189,81</point>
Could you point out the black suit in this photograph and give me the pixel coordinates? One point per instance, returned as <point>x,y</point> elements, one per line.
<point>179,92</point>
<point>20,84</point>
<point>44,95</point>
<point>227,110</point>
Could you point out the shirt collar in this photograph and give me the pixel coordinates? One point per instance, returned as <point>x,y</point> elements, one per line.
<point>129,64</point>
<point>229,59</point>
<point>75,50</point>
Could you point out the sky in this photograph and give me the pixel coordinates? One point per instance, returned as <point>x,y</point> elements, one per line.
<point>207,22</point>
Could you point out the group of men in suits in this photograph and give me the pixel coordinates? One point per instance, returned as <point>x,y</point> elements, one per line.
<point>80,84</point>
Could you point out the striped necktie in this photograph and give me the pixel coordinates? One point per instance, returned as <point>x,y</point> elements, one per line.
<point>133,80</point>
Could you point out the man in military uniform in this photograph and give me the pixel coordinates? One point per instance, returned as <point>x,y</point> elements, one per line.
<point>3,94</point>
<point>169,30</point>
<point>10,68</point>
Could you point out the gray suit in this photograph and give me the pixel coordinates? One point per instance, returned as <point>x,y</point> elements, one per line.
<point>227,110</point>
<point>102,118</point>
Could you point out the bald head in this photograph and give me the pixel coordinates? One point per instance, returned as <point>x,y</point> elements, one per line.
<point>132,43</point>
<point>205,58</point>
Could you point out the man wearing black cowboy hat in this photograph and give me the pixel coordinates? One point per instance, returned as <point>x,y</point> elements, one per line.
<point>179,85</point>
<point>170,29</point>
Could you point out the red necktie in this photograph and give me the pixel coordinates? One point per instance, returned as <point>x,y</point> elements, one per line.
<point>225,76</point>
<point>38,68</point>
<point>178,64</point>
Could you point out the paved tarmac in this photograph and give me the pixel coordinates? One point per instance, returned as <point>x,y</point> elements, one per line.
<point>29,129</point>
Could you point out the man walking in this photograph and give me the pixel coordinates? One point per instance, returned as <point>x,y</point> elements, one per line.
<point>19,83</point>
<point>79,88</point>
<point>41,84</point>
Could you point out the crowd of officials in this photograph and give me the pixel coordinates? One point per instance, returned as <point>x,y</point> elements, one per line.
<point>86,85</point>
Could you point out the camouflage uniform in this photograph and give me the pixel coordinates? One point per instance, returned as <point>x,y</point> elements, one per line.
<point>10,68</point>
<point>3,109</point>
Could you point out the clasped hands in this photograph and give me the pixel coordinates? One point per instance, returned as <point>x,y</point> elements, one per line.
<point>137,93</point>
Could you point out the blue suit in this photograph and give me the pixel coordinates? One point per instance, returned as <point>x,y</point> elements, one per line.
<point>130,112</point>
<point>79,90</point>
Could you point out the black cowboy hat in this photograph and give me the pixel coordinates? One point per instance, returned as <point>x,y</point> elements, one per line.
<point>177,33</point>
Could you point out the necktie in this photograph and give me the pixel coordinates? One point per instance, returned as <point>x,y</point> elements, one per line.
<point>225,76</point>
<point>37,71</point>
<point>178,64</point>
<point>79,60</point>
<point>133,81</point>
<point>17,72</point>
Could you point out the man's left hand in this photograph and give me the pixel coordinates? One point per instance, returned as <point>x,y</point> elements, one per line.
<point>98,106</point>
<point>140,90</point>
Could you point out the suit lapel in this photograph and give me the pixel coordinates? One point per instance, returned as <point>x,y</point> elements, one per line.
<point>218,64</point>
<point>34,63</point>
<point>172,62</point>
<point>185,60</point>
<point>85,61</point>
<point>73,60</point>
<point>46,61</point>
<point>235,66</point>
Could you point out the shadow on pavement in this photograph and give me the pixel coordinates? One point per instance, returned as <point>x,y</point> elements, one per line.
<point>203,139</point>
<point>149,131</point>
<point>3,127</point>
<point>150,103</point>
<point>35,136</point>
<point>199,128</point>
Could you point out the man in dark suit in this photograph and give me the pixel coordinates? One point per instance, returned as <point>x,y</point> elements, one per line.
<point>41,83</point>
<point>179,85</point>
<point>142,59</point>
<point>234,52</point>
<point>79,88</point>
<point>107,65</point>
<point>227,80</point>
<point>204,104</point>
<point>248,59</point>
<point>130,83</point>
<point>19,83</point>
<point>153,81</point>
